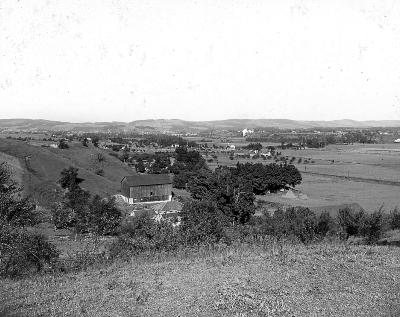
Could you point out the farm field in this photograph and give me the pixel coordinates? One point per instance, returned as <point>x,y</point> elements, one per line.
<point>325,279</point>
<point>323,191</point>
<point>368,175</point>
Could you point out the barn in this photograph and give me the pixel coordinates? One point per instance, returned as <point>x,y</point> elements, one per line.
<point>146,188</point>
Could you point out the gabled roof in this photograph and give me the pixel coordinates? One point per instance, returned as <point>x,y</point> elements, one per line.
<point>147,179</point>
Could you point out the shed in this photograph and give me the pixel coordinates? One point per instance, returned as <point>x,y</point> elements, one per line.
<point>146,188</point>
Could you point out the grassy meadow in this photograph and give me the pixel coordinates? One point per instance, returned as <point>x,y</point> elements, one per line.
<point>365,174</point>
<point>42,170</point>
<point>271,279</point>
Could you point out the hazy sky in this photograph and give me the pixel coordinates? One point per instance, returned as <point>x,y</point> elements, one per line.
<point>96,60</point>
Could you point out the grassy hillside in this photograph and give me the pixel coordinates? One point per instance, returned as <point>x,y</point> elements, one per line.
<point>245,280</point>
<point>177,124</point>
<point>42,170</point>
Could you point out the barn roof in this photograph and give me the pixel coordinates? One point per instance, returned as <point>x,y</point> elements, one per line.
<point>147,179</point>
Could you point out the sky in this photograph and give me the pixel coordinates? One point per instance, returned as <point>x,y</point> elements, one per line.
<point>125,60</point>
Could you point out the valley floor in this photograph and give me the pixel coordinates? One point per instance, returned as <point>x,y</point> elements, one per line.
<point>325,279</point>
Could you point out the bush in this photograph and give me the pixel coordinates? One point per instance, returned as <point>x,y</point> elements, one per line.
<point>325,224</point>
<point>350,222</point>
<point>202,222</point>
<point>372,227</point>
<point>143,234</point>
<point>104,216</point>
<point>63,145</point>
<point>23,252</point>
<point>296,222</point>
<point>62,217</point>
<point>394,219</point>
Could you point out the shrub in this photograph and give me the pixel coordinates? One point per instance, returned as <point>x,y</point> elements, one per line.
<point>372,227</point>
<point>143,234</point>
<point>300,222</point>
<point>104,216</point>
<point>297,222</point>
<point>21,251</point>
<point>350,222</point>
<point>63,144</point>
<point>394,219</point>
<point>325,224</point>
<point>202,222</point>
<point>62,217</point>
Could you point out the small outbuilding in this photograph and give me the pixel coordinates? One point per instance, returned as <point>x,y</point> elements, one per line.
<point>146,188</point>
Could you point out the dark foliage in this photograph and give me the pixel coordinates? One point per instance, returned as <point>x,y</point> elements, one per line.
<point>254,146</point>
<point>187,165</point>
<point>21,251</point>
<point>372,227</point>
<point>85,142</point>
<point>144,234</point>
<point>62,144</point>
<point>232,194</point>
<point>104,217</point>
<point>297,221</point>
<point>14,209</point>
<point>202,222</point>
<point>394,219</point>
<point>350,222</point>
<point>140,168</point>
<point>69,178</point>
<point>161,164</point>
<point>326,224</point>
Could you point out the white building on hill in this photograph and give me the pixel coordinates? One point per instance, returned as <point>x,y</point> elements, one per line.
<point>246,132</point>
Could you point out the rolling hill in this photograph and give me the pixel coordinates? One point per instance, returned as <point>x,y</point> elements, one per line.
<point>39,168</point>
<point>160,125</point>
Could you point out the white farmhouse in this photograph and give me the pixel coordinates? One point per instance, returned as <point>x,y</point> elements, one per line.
<point>246,132</point>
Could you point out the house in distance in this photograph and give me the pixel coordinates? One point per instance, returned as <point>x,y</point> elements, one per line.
<point>146,188</point>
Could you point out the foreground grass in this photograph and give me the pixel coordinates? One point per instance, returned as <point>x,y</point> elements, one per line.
<point>244,280</point>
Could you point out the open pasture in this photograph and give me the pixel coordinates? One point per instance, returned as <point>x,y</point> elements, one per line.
<point>243,280</point>
<point>322,191</point>
<point>368,175</point>
<point>40,168</point>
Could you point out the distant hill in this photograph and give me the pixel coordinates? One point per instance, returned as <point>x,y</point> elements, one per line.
<point>38,168</point>
<point>160,125</point>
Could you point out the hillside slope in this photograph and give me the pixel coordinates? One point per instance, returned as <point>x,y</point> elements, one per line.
<point>40,168</point>
<point>242,280</point>
<point>161,125</point>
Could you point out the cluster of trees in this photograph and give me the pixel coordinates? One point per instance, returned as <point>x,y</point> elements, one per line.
<point>165,140</point>
<point>232,195</point>
<point>254,146</point>
<point>319,140</point>
<point>81,211</point>
<point>203,222</point>
<point>187,165</point>
<point>269,177</point>
<point>233,189</point>
<point>95,141</point>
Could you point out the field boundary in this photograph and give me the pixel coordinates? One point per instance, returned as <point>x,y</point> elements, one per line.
<point>355,179</point>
